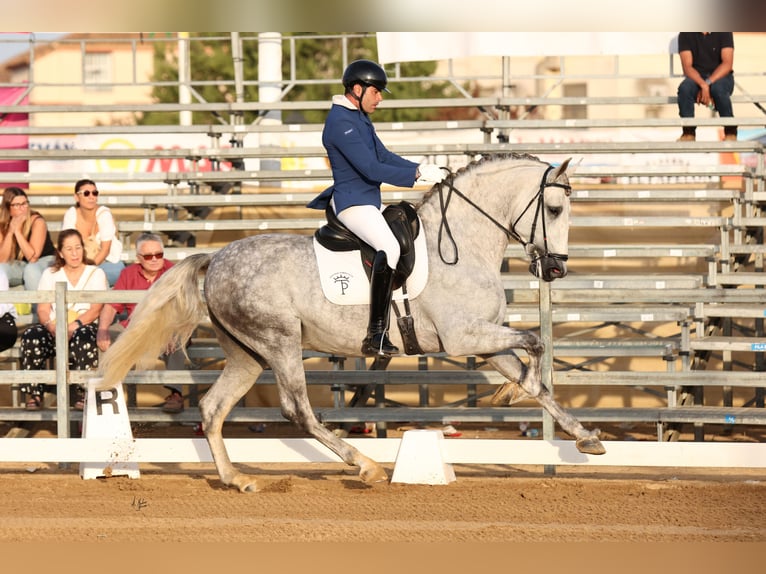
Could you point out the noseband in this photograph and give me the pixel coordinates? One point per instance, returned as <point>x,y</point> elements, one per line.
<point>546,257</point>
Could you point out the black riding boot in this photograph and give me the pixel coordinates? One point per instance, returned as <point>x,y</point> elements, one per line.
<point>381,288</point>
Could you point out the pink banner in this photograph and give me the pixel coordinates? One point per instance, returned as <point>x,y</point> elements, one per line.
<point>8,97</point>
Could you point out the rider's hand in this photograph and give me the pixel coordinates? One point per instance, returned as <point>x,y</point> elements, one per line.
<point>430,173</point>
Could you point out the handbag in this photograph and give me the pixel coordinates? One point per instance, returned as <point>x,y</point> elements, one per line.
<point>23,308</point>
<point>92,247</point>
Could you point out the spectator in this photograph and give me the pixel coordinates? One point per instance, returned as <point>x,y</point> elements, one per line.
<point>707,60</point>
<point>96,225</point>
<point>150,266</point>
<point>26,248</point>
<point>8,331</point>
<point>38,342</point>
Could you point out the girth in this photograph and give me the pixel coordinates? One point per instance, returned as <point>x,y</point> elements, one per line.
<point>404,223</point>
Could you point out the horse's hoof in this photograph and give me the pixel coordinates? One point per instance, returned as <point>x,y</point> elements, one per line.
<point>244,483</point>
<point>590,445</point>
<point>509,393</point>
<point>372,474</point>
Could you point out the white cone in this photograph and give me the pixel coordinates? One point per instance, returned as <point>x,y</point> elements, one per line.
<point>420,459</point>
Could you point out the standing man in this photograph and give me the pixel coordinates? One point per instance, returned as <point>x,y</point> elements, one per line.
<point>141,275</point>
<point>360,163</point>
<point>707,60</point>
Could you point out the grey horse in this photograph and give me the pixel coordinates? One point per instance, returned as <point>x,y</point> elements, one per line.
<point>264,299</point>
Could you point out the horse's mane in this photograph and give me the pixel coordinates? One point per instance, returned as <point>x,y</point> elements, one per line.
<point>473,164</point>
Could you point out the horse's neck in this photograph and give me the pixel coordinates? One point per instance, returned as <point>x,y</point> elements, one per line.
<point>475,236</point>
<point>500,188</point>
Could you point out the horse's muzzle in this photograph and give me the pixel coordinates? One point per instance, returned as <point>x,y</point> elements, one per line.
<point>549,267</point>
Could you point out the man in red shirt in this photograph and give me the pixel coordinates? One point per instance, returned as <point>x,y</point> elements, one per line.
<point>150,266</point>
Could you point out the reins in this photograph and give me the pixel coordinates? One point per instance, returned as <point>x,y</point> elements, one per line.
<point>509,231</point>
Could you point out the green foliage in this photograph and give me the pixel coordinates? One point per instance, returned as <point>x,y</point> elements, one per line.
<point>318,68</point>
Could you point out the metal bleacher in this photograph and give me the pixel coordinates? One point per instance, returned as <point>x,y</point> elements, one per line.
<point>664,300</point>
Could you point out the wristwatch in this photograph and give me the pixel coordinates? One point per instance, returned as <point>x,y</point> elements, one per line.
<point>707,81</point>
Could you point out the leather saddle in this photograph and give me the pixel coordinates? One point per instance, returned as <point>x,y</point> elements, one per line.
<point>404,223</point>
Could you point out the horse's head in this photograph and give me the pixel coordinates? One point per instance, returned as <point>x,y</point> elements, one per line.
<point>542,227</point>
<point>528,200</point>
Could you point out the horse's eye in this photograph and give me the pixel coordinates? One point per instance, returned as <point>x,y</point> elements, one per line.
<point>554,211</point>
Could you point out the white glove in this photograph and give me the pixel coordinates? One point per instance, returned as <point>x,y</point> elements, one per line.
<point>430,173</point>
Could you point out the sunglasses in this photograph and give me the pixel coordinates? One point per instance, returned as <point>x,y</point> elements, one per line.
<point>149,256</point>
<point>87,193</point>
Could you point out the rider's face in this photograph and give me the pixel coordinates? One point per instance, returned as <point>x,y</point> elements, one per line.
<point>372,97</point>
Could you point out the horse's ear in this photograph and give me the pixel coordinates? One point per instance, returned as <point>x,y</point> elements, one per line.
<point>570,166</point>
<point>561,168</point>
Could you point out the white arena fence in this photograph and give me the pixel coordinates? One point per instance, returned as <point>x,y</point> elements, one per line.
<point>546,451</point>
<point>457,451</point>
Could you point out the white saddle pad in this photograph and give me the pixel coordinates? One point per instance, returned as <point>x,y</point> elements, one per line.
<point>344,281</point>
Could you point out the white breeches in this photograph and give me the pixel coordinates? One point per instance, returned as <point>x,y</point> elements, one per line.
<point>368,223</point>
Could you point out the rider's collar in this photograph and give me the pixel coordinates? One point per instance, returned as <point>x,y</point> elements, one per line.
<point>342,100</point>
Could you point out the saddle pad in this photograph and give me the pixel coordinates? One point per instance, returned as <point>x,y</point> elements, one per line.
<point>344,281</point>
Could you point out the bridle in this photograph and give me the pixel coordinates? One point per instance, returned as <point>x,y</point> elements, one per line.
<point>538,200</point>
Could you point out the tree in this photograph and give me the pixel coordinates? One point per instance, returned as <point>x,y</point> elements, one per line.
<point>319,67</point>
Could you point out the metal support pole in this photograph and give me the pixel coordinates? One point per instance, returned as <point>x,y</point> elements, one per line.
<point>62,363</point>
<point>184,73</point>
<point>546,361</point>
<point>239,70</point>
<point>270,90</point>
<point>507,92</point>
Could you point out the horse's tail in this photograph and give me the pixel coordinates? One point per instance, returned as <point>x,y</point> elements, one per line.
<point>168,314</point>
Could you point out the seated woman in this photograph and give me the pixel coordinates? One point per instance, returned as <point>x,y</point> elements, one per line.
<point>38,342</point>
<point>26,248</point>
<point>96,225</point>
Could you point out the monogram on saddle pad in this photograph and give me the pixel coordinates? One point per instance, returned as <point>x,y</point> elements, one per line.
<point>345,261</point>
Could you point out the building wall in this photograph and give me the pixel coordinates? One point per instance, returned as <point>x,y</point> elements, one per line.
<point>63,67</point>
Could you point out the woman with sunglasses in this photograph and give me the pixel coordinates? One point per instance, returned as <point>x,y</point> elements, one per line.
<point>38,341</point>
<point>26,248</point>
<point>96,225</point>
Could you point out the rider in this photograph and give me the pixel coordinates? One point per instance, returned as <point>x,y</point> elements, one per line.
<point>360,163</point>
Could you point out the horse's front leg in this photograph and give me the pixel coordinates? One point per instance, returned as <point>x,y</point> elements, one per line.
<point>507,364</point>
<point>493,342</point>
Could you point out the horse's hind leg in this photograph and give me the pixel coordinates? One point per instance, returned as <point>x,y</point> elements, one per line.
<point>512,391</point>
<point>293,396</point>
<point>239,374</point>
<point>530,380</point>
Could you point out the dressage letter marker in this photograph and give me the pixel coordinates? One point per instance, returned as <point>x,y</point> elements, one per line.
<point>106,416</point>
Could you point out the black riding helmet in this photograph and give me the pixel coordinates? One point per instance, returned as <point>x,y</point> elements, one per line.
<point>367,73</point>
